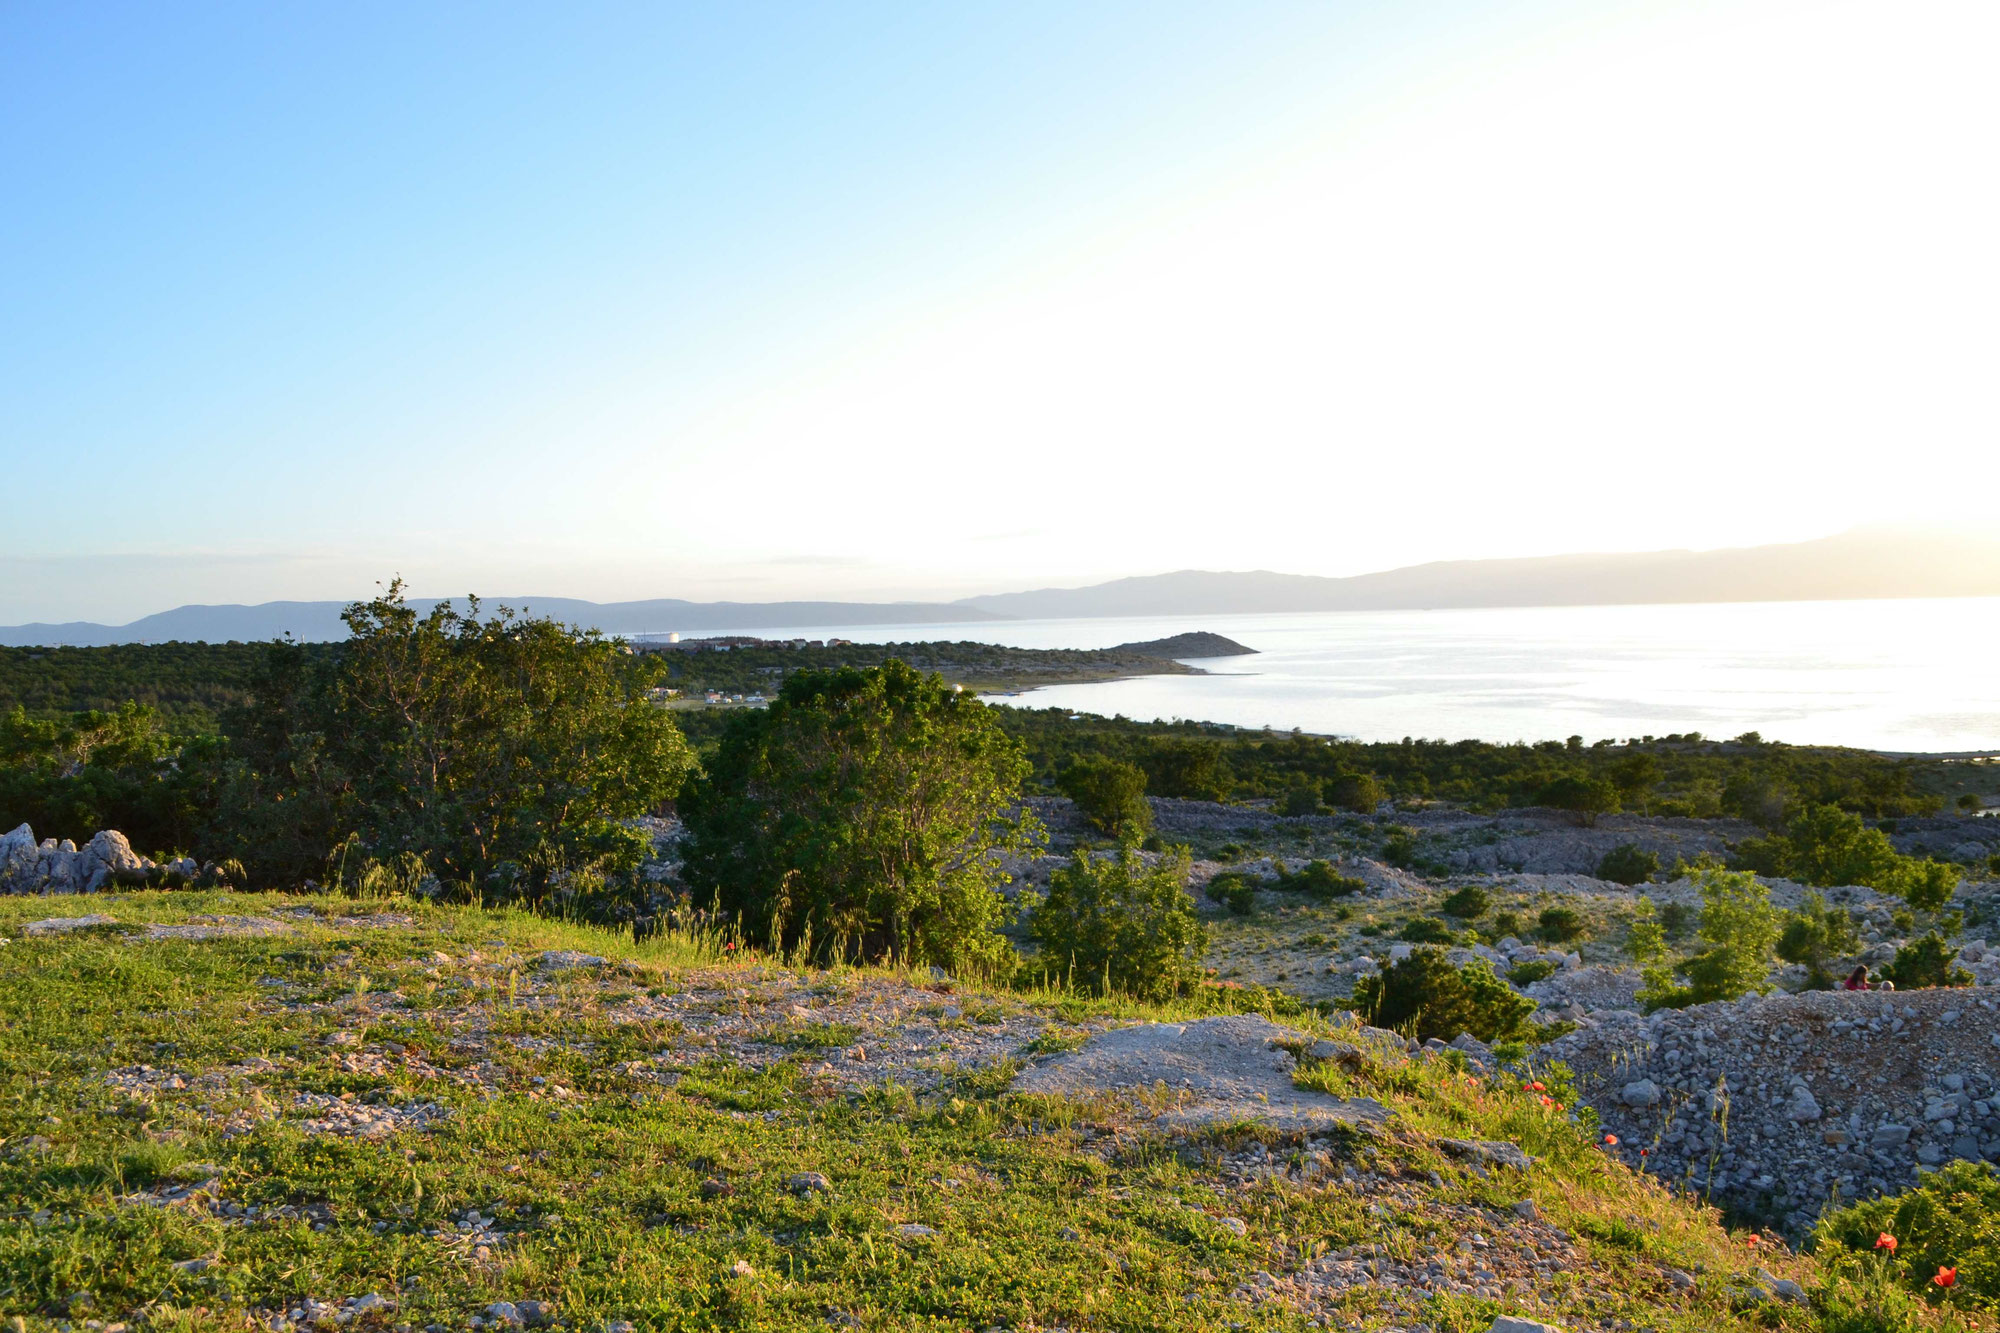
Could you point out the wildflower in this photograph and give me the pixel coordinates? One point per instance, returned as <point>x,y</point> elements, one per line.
<point>1642,1152</point>
<point>1946,1277</point>
<point>1611,1140</point>
<point>1751,1240</point>
<point>1885,1241</point>
<point>1536,1086</point>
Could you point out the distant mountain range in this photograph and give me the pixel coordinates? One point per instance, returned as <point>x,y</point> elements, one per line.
<point>1862,564</point>
<point>319,621</point>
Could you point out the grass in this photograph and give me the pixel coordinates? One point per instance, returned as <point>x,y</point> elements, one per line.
<point>628,1166</point>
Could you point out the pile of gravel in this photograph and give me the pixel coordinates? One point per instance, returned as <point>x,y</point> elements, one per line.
<point>1783,1103</point>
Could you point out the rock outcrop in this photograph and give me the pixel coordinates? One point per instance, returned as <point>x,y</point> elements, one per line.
<point>107,861</point>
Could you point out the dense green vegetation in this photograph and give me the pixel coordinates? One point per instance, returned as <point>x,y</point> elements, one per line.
<point>1675,775</point>
<point>1117,926</point>
<point>863,815</point>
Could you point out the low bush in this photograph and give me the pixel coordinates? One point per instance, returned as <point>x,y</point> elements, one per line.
<point>1400,848</point>
<point>1298,802</point>
<point>1560,925</point>
<point>1826,846</point>
<point>1467,904</point>
<point>1528,973</point>
<point>1628,864</point>
<point>1950,1221</point>
<point>1815,935</point>
<point>1429,930</point>
<point>1234,890</point>
<point>1926,963</point>
<point>1425,996</point>
<point>1505,924</point>
<point>1318,879</point>
<point>1119,925</point>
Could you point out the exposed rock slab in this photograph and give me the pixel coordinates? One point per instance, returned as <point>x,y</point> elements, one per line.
<point>1205,1072</point>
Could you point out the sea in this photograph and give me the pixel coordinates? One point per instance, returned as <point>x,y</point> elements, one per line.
<point>1905,676</point>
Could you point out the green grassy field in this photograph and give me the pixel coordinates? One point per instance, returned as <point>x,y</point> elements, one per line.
<point>231,1112</point>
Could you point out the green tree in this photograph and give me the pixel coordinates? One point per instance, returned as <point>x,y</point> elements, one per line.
<point>1111,796</point>
<point>505,753</point>
<point>1119,925</point>
<point>1645,938</point>
<point>1740,928</point>
<point>1815,935</point>
<point>1826,846</point>
<point>1358,792</point>
<point>1425,996</point>
<point>1582,796</point>
<point>864,814</point>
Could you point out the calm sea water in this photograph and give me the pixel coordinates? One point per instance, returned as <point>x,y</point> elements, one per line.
<point>1891,675</point>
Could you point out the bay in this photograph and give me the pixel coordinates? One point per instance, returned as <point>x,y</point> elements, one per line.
<point>1914,675</point>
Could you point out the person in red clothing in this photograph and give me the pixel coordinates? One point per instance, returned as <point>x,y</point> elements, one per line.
<point>1857,980</point>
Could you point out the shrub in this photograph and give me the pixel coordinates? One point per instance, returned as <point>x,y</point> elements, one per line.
<point>1428,930</point>
<point>1528,973</point>
<point>1236,891</point>
<point>1560,924</point>
<point>1628,864</point>
<point>1400,848</point>
<point>1645,939</point>
<point>1925,963</point>
<point>1298,802</point>
<point>1359,792</point>
<point>1119,925</point>
<point>1111,796</point>
<point>1320,880</point>
<point>1507,923</point>
<point>1949,1219</point>
<point>1677,920</point>
<point>864,814</point>
<point>1427,997</point>
<point>1467,904</point>
<point>1816,934</point>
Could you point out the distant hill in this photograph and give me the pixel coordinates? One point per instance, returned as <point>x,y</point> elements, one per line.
<point>320,621</point>
<point>1197,644</point>
<point>1866,563</point>
<point>1861,564</point>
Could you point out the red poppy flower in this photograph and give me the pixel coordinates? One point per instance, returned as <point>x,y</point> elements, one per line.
<point>1751,1240</point>
<point>1946,1277</point>
<point>1611,1140</point>
<point>1885,1241</point>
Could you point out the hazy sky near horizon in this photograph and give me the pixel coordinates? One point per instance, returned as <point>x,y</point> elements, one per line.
<point>754,301</point>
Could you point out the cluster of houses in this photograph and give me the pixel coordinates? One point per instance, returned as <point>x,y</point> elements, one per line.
<point>724,643</point>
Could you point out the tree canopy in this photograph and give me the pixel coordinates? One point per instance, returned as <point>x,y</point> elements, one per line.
<point>864,814</point>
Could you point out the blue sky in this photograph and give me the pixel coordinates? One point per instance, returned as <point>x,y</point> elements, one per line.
<point>762,300</point>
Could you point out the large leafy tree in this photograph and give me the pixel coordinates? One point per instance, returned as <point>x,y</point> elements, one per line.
<point>864,814</point>
<point>504,752</point>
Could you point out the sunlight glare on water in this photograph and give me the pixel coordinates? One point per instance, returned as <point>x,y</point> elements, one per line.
<point>1920,675</point>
